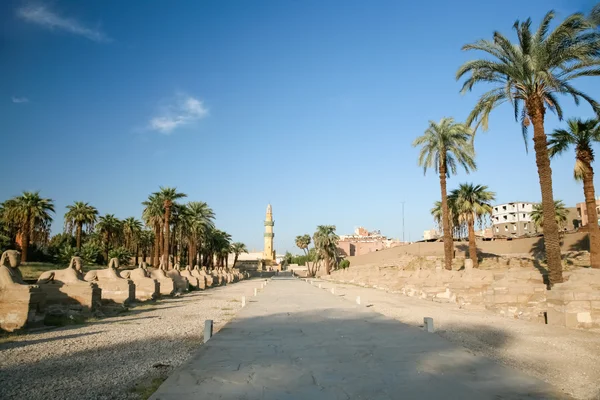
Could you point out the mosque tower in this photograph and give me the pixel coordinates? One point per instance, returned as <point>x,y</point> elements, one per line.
<point>269,253</point>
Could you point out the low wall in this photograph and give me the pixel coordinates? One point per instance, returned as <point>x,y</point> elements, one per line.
<point>516,291</point>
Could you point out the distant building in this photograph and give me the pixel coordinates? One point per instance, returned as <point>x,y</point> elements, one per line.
<point>513,219</point>
<point>363,242</point>
<point>431,234</point>
<point>582,213</point>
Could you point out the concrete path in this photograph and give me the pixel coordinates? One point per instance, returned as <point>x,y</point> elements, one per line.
<point>295,341</point>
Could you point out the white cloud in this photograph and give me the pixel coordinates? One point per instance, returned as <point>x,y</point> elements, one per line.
<point>183,110</point>
<point>41,15</point>
<point>18,100</point>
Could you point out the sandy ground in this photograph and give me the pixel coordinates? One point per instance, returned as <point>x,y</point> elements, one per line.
<point>569,359</point>
<point>123,357</point>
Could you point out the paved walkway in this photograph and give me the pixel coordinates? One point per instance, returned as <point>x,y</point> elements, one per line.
<point>295,341</point>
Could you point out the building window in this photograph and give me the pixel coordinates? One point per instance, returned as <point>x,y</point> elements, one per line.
<point>523,205</point>
<point>526,226</point>
<point>523,215</point>
<point>506,228</point>
<point>504,208</point>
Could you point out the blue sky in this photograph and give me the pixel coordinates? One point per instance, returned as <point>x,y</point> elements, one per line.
<point>310,105</point>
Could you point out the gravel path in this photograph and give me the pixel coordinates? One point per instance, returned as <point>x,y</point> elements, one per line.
<point>115,358</point>
<point>566,358</point>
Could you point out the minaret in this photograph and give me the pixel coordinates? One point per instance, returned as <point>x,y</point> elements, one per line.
<point>269,254</point>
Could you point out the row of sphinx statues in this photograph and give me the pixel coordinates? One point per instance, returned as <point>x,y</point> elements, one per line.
<point>20,302</point>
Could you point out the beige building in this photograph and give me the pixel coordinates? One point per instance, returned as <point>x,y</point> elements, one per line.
<point>363,242</point>
<point>431,234</point>
<point>583,215</point>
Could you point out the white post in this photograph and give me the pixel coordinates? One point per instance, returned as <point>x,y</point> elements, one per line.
<point>255,291</point>
<point>208,329</point>
<point>319,286</point>
<point>332,290</point>
<point>428,321</point>
<point>358,300</point>
<point>243,301</point>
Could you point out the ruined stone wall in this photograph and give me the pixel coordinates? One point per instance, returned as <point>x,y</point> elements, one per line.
<point>510,286</point>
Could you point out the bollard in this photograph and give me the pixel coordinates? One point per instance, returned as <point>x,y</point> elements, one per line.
<point>208,329</point>
<point>332,290</point>
<point>358,300</point>
<point>319,286</point>
<point>255,291</point>
<point>243,301</point>
<point>428,321</point>
<point>262,286</point>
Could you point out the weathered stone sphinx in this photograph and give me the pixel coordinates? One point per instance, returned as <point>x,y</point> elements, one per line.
<point>19,303</point>
<point>114,288</point>
<point>181,283</point>
<point>217,277</point>
<point>146,288</point>
<point>167,285</point>
<point>201,276</point>
<point>67,287</point>
<point>210,280</point>
<point>192,279</point>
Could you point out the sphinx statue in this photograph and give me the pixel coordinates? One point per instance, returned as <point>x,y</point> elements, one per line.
<point>182,285</point>
<point>209,278</point>
<point>192,279</point>
<point>67,286</point>
<point>217,277</point>
<point>166,283</point>
<point>146,287</point>
<point>114,288</point>
<point>197,272</point>
<point>20,304</point>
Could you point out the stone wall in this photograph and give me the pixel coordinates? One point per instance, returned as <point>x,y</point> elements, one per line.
<point>512,287</point>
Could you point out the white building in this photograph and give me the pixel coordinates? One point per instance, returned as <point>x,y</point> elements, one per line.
<point>513,219</point>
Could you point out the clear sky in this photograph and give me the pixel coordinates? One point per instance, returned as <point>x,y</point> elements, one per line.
<point>310,105</point>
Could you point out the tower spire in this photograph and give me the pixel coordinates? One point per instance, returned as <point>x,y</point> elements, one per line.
<point>269,253</point>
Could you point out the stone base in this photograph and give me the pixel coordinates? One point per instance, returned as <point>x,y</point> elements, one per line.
<point>181,283</point>
<point>146,289</point>
<point>119,291</point>
<point>88,295</point>
<point>21,307</point>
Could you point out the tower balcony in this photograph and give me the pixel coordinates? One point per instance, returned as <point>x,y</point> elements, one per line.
<point>269,223</point>
<point>269,234</point>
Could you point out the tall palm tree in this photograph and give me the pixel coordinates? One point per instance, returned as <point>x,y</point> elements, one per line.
<point>238,248</point>
<point>529,75</point>
<point>110,228</point>
<point>444,146</point>
<point>145,243</point>
<point>79,214</point>
<point>326,241</point>
<point>30,214</point>
<point>132,229</point>
<point>198,220</point>
<point>168,196</point>
<point>153,218</point>
<point>560,215</point>
<point>472,203</point>
<point>581,135</point>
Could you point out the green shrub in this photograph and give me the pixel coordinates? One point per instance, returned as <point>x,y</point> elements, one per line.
<point>122,254</point>
<point>344,264</point>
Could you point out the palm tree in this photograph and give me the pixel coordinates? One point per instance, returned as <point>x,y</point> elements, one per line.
<point>110,228</point>
<point>198,221</point>
<point>529,74</point>
<point>145,243</point>
<point>168,196</point>
<point>79,214</point>
<point>444,146</point>
<point>238,248</point>
<point>153,218</point>
<point>581,135</point>
<point>302,242</point>
<point>30,214</point>
<point>132,228</point>
<point>560,215</point>
<point>326,241</point>
<point>472,202</point>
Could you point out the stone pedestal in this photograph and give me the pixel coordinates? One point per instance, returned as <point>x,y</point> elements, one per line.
<point>192,279</point>
<point>197,272</point>
<point>181,283</point>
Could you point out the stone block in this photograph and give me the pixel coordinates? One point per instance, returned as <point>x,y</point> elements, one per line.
<point>114,288</point>
<point>578,306</point>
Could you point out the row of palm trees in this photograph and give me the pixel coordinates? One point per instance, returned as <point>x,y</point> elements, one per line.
<point>529,75</point>
<point>325,250</point>
<point>171,232</point>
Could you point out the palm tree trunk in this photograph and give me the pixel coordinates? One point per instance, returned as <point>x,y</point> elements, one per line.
<point>166,242</point>
<point>542,159</point>
<point>25,238</point>
<point>234,260</point>
<point>472,243</point>
<point>156,250</point>
<point>78,238</point>
<point>106,244</point>
<point>137,252</point>
<point>590,205</point>
<point>448,241</point>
